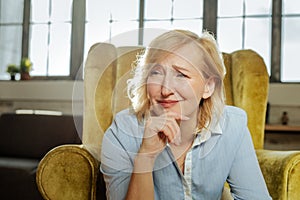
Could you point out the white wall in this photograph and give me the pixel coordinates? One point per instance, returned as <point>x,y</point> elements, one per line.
<point>64,96</point>
<point>284,97</point>
<point>284,94</point>
<point>67,96</point>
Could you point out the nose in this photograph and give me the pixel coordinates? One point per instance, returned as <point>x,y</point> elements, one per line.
<point>167,87</point>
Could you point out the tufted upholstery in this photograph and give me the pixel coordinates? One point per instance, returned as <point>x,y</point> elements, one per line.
<point>106,70</point>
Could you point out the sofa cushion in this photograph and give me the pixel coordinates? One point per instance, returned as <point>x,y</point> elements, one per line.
<point>32,136</point>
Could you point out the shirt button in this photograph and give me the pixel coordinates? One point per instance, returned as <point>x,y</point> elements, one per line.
<point>187,192</point>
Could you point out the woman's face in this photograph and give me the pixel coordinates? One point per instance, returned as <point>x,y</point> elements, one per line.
<point>176,84</point>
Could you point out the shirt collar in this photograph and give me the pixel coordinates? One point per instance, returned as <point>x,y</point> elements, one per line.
<point>214,128</point>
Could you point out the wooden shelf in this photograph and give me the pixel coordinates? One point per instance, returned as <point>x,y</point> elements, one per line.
<point>281,128</point>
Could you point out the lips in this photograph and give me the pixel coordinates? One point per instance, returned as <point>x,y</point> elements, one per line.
<point>167,103</point>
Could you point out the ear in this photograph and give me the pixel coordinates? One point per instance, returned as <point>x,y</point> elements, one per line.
<point>209,88</point>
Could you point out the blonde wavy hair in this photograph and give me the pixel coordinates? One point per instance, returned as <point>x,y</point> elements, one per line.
<point>165,44</point>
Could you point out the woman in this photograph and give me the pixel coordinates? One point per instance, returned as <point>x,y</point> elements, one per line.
<point>179,141</point>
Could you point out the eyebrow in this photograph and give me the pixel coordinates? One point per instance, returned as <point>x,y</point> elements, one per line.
<point>176,67</point>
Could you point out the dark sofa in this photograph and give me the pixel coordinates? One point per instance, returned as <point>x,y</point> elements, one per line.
<point>24,140</point>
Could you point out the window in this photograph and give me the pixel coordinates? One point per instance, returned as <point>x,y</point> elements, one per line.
<point>50,41</point>
<point>10,34</point>
<point>111,21</point>
<point>44,34</point>
<point>290,69</point>
<point>57,35</point>
<point>114,25</point>
<point>172,14</point>
<point>246,26</point>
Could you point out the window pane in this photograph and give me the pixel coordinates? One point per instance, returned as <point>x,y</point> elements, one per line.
<point>105,20</point>
<point>230,8</point>
<point>96,10</point>
<point>11,11</point>
<point>39,49</point>
<point>290,50</point>
<point>250,31</point>
<point>194,7</point>
<point>165,15</point>
<point>50,37</point>
<point>59,50</point>
<point>124,34</point>
<point>97,28</point>
<point>157,9</point>
<point>117,8</point>
<point>11,18</point>
<point>260,39</point>
<point>254,7</point>
<point>229,34</point>
<point>61,10</point>
<point>40,11</point>
<point>10,48</point>
<point>158,24</point>
<point>95,34</point>
<point>192,25</point>
<point>291,7</point>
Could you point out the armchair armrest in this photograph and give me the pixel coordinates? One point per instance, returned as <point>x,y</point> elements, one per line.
<point>68,172</point>
<point>281,170</point>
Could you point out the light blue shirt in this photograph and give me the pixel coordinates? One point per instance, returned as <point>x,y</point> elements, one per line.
<point>223,152</point>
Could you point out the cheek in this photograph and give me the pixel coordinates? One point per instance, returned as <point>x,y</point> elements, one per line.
<point>193,92</point>
<point>152,89</point>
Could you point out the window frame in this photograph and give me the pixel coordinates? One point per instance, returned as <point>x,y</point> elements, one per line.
<point>275,75</point>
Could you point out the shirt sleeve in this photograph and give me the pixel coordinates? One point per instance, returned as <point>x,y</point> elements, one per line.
<point>116,163</point>
<point>245,179</point>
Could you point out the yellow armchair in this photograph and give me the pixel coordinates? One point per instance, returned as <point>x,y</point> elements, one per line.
<point>72,171</point>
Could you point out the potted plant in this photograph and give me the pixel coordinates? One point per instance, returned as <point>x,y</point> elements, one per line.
<point>25,68</point>
<point>12,69</point>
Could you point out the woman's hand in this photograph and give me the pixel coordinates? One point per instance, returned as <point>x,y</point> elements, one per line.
<point>160,130</point>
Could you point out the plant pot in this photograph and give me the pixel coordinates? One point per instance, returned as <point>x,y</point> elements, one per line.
<point>12,77</point>
<point>25,76</point>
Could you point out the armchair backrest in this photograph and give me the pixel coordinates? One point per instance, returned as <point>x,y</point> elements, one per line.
<point>107,69</point>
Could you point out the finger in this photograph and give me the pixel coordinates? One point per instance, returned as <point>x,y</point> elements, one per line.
<point>174,127</point>
<point>172,131</point>
<point>164,125</point>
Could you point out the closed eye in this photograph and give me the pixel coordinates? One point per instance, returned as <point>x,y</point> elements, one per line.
<point>180,71</point>
<point>155,72</point>
<point>182,75</point>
